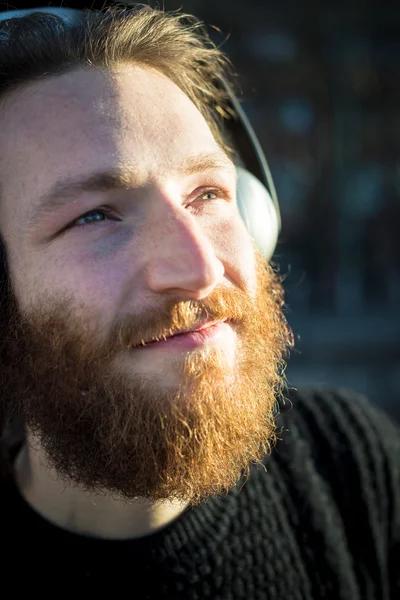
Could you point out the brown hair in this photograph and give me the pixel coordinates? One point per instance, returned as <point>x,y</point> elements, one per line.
<point>42,45</point>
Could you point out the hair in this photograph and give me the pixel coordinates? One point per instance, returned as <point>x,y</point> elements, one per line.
<point>42,45</point>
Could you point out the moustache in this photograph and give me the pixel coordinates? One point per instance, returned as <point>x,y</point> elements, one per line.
<point>175,317</point>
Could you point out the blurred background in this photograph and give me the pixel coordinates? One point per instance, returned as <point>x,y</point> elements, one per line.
<point>321,86</point>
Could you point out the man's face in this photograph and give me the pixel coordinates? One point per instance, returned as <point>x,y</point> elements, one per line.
<point>97,271</point>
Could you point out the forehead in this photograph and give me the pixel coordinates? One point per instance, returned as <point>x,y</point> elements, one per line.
<point>91,119</point>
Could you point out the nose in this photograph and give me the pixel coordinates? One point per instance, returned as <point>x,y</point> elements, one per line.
<point>181,258</point>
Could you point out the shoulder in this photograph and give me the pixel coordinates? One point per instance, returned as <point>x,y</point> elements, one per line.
<point>349,443</point>
<point>341,418</point>
<point>352,448</point>
<point>341,423</point>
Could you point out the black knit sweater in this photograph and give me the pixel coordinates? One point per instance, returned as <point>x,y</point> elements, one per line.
<point>322,521</point>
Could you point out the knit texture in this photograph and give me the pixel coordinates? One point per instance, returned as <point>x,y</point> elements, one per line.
<point>320,521</point>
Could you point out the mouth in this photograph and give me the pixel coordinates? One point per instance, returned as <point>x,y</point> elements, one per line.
<point>186,332</point>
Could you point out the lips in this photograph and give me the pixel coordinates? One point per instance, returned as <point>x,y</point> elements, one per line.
<point>193,329</point>
<point>202,326</point>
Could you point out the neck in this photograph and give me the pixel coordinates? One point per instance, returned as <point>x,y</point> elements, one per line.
<point>83,512</point>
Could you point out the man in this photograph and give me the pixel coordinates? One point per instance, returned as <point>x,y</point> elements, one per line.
<point>143,343</point>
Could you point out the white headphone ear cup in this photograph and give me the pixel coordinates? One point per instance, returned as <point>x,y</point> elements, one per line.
<point>257,211</point>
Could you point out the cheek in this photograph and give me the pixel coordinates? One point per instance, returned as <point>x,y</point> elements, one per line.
<point>236,249</point>
<point>89,283</point>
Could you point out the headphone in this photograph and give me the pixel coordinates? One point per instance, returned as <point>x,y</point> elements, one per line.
<point>256,196</point>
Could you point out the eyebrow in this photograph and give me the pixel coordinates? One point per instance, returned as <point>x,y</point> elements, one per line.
<point>66,189</point>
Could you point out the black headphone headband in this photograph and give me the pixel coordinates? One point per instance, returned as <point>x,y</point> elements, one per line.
<point>251,151</point>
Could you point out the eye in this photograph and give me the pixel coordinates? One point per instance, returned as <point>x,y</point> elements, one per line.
<point>211,199</point>
<point>206,195</point>
<point>93,216</point>
<point>213,194</point>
